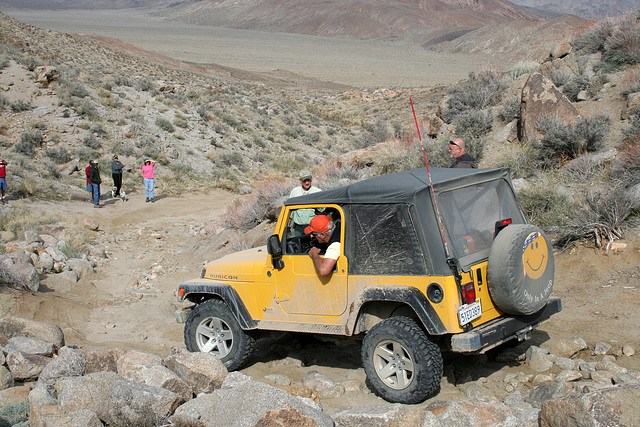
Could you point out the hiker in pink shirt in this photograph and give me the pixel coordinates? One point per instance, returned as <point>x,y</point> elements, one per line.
<point>147,174</point>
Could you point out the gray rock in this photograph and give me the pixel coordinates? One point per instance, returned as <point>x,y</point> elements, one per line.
<point>41,396</point>
<point>69,363</point>
<point>16,326</point>
<point>25,367</point>
<point>565,363</point>
<point>611,366</point>
<point>91,391</point>
<point>628,350</point>
<point>91,224</point>
<point>625,379</point>
<point>69,275</point>
<point>45,262</point>
<point>569,375</point>
<point>56,254</point>
<point>32,346</point>
<point>461,413</point>
<point>278,379</point>
<point>160,376</point>
<point>197,412</point>
<point>476,392</point>
<point>19,275</point>
<point>370,415</point>
<point>97,252</point>
<point>540,362</point>
<point>132,360</point>
<point>101,359</point>
<point>54,415</point>
<point>202,371</point>
<point>613,406</point>
<point>6,378</point>
<point>32,237</point>
<point>547,391</point>
<point>82,267</point>
<point>602,348</point>
<point>269,406</point>
<point>317,381</point>
<point>137,404</point>
<point>233,379</point>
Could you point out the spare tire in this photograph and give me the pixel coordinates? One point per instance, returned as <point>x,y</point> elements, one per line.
<point>521,269</point>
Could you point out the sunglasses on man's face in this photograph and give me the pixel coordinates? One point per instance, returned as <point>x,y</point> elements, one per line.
<point>453,143</point>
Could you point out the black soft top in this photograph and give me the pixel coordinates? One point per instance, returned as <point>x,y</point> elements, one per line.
<point>402,187</point>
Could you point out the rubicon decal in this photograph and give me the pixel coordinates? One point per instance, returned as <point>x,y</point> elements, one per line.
<point>223,276</point>
<point>535,255</point>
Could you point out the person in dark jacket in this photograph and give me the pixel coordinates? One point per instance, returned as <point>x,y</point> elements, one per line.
<point>460,157</point>
<point>94,177</point>
<point>116,173</point>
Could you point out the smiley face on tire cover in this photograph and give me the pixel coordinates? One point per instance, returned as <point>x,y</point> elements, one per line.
<point>534,255</point>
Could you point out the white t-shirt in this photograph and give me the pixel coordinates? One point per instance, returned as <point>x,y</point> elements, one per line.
<point>333,251</point>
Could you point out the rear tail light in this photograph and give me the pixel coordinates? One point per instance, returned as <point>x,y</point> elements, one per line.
<point>502,224</point>
<point>468,293</point>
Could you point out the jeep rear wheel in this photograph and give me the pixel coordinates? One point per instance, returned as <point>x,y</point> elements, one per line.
<point>401,363</point>
<point>212,328</point>
<point>521,269</point>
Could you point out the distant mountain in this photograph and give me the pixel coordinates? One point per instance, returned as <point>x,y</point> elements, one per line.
<point>588,9</point>
<point>81,4</point>
<point>362,19</point>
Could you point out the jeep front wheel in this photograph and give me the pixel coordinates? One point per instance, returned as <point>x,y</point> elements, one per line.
<point>401,363</point>
<point>212,328</point>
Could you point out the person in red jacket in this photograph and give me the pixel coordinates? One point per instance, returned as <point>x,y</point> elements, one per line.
<point>3,178</point>
<point>87,171</point>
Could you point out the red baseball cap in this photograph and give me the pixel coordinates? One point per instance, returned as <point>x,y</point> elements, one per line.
<point>318,224</point>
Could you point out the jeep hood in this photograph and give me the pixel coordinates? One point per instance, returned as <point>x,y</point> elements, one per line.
<point>237,267</point>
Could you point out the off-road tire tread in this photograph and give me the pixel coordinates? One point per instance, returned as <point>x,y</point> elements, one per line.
<point>425,353</point>
<point>243,342</point>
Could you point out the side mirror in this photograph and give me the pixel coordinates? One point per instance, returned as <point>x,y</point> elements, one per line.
<point>274,248</point>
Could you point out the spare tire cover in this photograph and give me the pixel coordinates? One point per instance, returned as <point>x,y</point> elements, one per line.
<point>521,269</point>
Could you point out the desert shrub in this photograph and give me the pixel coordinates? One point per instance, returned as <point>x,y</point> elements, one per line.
<point>633,85</point>
<point>293,131</point>
<point>20,105</point>
<point>587,168</point>
<point>122,81</point>
<point>28,143</point>
<point>510,109</point>
<point>144,85</point>
<point>617,38</point>
<point>593,131</point>
<point>51,168</point>
<point>203,112</point>
<point>559,143</point>
<point>232,158</point>
<point>4,102</point>
<point>59,154</point>
<point>92,141</point>
<point>559,76</point>
<point>14,413</point>
<point>75,244</point>
<point>480,91</point>
<point>245,216</point>
<point>544,204</point>
<point>628,170</point>
<point>333,174</point>
<point>180,121</point>
<point>573,87</point>
<point>605,216</point>
<point>29,62</point>
<point>165,125</point>
<point>363,140</point>
<point>379,130</point>
<point>519,161</point>
<point>84,108</point>
<point>473,124</point>
<point>523,67</point>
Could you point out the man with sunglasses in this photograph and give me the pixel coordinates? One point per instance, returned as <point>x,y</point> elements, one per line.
<point>322,230</point>
<point>302,217</point>
<point>460,157</point>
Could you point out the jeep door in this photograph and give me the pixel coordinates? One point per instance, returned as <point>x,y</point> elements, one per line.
<point>300,289</point>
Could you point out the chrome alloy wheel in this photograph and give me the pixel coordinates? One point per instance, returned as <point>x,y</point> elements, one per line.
<point>214,336</point>
<point>393,365</point>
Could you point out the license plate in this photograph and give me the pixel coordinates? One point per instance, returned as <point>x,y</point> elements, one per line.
<point>469,312</point>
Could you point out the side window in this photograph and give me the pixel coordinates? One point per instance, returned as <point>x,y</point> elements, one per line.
<point>295,240</point>
<point>385,242</point>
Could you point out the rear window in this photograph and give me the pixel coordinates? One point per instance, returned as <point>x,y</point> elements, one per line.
<point>385,242</point>
<point>470,214</point>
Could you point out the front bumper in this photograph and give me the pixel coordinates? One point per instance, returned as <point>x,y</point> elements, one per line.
<point>494,333</point>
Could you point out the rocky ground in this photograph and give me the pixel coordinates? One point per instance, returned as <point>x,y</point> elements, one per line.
<point>129,302</point>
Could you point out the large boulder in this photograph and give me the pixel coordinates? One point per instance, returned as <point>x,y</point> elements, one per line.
<point>540,98</point>
<point>18,274</point>
<point>137,404</point>
<point>614,406</point>
<point>202,371</point>
<point>17,326</point>
<point>69,363</point>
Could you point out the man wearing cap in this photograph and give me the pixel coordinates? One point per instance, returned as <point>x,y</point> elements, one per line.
<point>116,174</point>
<point>460,157</point>
<point>94,177</point>
<point>322,229</point>
<point>302,217</point>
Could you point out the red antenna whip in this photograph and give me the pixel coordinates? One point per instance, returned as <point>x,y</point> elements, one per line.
<point>433,193</point>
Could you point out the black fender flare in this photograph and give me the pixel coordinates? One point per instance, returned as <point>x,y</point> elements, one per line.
<point>408,295</point>
<point>195,290</point>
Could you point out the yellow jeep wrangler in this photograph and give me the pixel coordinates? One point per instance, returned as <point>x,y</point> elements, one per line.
<point>423,268</point>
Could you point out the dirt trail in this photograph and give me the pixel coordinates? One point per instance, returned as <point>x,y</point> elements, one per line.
<point>150,250</point>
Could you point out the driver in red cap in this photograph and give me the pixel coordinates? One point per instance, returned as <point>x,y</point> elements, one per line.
<point>321,228</point>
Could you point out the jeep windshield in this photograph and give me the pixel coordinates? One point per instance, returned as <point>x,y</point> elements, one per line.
<point>470,214</point>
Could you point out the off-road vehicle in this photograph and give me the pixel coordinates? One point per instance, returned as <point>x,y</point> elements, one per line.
<point>429,263</point>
